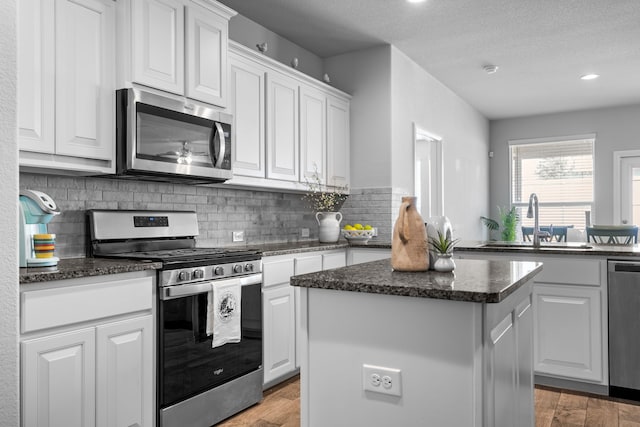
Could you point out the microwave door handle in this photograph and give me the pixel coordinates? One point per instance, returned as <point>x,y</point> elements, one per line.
<point>223,145</point>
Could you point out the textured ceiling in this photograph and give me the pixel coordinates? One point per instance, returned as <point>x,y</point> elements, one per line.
<point>542,47</point>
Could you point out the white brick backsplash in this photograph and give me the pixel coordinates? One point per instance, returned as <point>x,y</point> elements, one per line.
<point>265,216</point>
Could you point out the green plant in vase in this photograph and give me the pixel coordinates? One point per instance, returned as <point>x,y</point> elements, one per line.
<point>442,247</point>
<point>509,220</point>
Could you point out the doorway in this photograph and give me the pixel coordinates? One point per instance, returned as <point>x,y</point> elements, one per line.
<point>626,187</point>
<point>428,175</point>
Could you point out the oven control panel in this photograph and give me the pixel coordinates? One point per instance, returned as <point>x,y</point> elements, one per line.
<point>209,272</point>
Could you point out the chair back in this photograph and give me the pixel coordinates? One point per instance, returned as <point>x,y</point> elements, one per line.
<point>558,233</point>
<point>616,235</point>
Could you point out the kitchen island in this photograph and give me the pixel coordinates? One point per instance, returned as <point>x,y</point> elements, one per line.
<point>440,348</point>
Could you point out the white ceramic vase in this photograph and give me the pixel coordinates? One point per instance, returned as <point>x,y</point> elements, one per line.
<point>444,263</point>
<point>328,226</point>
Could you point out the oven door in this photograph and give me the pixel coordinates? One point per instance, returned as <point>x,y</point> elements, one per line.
<point>187,363</point>
<point>165,136</point>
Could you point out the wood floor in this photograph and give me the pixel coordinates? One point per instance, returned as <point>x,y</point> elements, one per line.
<point>554,408</point>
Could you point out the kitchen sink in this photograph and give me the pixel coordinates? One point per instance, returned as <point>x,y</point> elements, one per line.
<point>543,246</point>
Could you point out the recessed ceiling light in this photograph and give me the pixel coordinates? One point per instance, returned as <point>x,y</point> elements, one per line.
<point>490,69</point>
<point>416,1</point>
<point>590,76</point>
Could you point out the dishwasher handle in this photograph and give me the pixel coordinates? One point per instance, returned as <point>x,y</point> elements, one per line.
<point>624,267</point>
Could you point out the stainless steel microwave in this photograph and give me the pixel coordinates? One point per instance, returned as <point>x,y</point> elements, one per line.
<point>168,139</point>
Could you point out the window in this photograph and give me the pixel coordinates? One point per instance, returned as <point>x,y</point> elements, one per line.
<point>560,172</point>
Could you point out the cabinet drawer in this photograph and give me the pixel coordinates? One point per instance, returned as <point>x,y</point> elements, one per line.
<point>308,264</point>
<point>277,272</point>
<point>49,308</point>
<point>334,260</point>
<point>570,271</point>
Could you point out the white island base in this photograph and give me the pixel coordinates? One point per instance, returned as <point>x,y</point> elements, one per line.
<point>461,363</point>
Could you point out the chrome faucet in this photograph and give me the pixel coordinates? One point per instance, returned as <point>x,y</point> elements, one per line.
<point>532,212</point>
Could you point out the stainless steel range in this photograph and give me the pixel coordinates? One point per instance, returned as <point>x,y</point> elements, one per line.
<point>209,313</point>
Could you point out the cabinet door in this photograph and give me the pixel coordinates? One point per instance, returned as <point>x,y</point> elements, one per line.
<point>58,380</point>
<point>568,331</point>
<point>206,55</point>
<point>279,332</point>
<point>246,103</point>
<point>124,372</point>
<point>282,128</point>
<point>337,141</point>
<point>361,255</point>
<point>35,55</point>
<point>158,44</point>
<point>501,374</point>
<point>334,260</point>
<point>85,78</point>
<point>313,136</point>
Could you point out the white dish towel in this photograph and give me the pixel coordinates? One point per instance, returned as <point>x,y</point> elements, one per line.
<point>223,313</point>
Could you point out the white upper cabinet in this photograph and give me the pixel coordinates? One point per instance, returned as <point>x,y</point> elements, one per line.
<point>207,34</point>
<point>178,46</point>
<point>313,134</point>
<point>246,104</point>
<point>282,127</point>
<point>337,141</point>
<point>66,85</point>
<point>85,78</point>
<point>287,125</point>
<point>158,44</point>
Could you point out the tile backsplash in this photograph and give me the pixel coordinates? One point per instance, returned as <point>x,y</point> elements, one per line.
<point>264,216</point>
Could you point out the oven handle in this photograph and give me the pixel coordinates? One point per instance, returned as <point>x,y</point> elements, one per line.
<point>200,287</point>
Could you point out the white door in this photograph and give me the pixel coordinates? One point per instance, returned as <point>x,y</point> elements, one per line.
<point>630,190</point>
<point>313,136</point>
<point>85,78</point>
<point>58,380</point>
<point>338,142</point>
<point>279,332</point>
<point>158,44</point>
<point>282,128</point>
<point>124,372</point>
<point>36,84</point>
<point>206,55</point>
<point>246,103</point>
<point>568,331</point>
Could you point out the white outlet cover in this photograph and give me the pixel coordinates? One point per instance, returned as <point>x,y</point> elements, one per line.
<point>391,380</point>
<point>237,236</point>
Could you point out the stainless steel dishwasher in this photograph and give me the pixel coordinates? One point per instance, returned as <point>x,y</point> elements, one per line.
<point>624,329</point>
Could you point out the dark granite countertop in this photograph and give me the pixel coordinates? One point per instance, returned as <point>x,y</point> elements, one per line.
<point>72,268</point>
<point>569,248</point>
<point>473,280</point>
<point>273,249</point>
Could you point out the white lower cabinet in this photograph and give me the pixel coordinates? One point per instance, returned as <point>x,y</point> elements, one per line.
<point>569,317</point>
<point>96,368</point>
<point>282,315</point>
<point>568,339</point>
<point>58,380</point>
<point>360,255</point>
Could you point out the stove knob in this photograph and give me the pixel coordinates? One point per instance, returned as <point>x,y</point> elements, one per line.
<point>218,271</point>
<point>183,275</point>
<point>237,268</point>
<point>248,267</point>
<point>198,274</point>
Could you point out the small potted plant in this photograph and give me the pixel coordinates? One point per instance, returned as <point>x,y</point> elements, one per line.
<point>442,247</point>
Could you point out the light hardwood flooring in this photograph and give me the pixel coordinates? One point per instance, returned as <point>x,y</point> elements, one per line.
<point>554,408</point>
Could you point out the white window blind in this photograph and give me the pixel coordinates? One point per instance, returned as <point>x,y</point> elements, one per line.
<point>560,173</point>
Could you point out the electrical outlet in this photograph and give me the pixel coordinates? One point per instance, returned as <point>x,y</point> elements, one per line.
<point>237,236</point>
<point>304,232</point>
<point>382,380</point>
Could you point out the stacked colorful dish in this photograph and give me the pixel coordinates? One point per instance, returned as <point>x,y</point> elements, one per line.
<point>44,245</point>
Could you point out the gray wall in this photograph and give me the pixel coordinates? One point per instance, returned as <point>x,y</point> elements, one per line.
<point>249,33</point>
<point>616,129</point>
<point>9,406</point>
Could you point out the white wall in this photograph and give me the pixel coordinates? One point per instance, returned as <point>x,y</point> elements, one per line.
<point>9,406</point>
<point>249,33</point>
<point>616,129</point>
<point>366,74</point>
<point>417,97</point>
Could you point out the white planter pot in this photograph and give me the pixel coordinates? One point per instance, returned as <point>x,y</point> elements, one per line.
<point>443,263</point>
<point>328,226</point>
